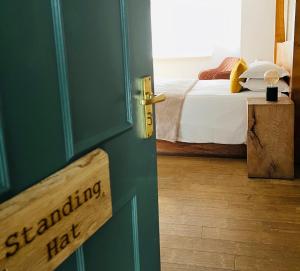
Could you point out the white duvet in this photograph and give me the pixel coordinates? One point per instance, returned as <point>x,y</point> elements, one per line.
<point>212,114</point>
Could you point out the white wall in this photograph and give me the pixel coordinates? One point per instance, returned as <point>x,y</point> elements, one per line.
<point>290,19</point>
<point>190,36</point>
<point>180,68</point>
<point>257,42</point>
<point>258,29</point>
<point>189,68</point>
<point>285,51</point>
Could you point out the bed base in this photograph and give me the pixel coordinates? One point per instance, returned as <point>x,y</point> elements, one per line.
<point>209,150</point>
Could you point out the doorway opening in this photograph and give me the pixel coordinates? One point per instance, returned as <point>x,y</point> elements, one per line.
<point>209,58</point>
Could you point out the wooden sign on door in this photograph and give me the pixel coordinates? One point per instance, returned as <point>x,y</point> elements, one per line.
<point>45,224</point>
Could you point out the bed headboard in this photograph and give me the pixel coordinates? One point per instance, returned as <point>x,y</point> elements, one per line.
<point>285,52</point>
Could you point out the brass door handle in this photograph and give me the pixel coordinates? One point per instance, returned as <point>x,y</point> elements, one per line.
<point>154,99</point>
<point>146,100</point>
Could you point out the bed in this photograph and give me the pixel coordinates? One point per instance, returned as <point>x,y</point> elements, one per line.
<point>211,121</point>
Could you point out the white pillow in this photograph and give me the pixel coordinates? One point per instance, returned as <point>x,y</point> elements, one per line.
<point>258,69</point>
<point>261,85</point>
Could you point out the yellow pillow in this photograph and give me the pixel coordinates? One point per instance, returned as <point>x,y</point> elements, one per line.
<point>239,68</point>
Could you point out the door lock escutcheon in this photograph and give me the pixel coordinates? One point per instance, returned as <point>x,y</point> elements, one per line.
<point>147,100</point>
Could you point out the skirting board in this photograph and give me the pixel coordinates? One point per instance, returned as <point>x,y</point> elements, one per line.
<point>211,150</point>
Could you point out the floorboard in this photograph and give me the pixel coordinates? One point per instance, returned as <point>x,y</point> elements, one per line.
<point>213,218</point>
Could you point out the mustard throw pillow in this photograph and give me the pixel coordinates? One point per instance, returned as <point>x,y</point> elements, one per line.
<point>239,68</point>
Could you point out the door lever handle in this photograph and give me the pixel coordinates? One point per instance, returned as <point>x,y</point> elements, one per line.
<point>154,99</point>
<point>146,100</point>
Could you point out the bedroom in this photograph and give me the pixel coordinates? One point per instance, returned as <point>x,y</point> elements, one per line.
<point>212,216</point>
<point>181,58</point>
<point>81,184</point>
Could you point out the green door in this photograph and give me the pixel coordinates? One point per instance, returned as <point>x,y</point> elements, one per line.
<point>69,84</point>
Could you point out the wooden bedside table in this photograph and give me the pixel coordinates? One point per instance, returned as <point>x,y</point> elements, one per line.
<point>270,139</point>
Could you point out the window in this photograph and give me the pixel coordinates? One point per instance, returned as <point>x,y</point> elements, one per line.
<point>195,28</point>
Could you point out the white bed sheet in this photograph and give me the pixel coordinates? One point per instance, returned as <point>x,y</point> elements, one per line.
<point>212,114</point>
<point>162,85</point>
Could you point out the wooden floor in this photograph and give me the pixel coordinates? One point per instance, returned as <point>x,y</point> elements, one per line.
<point>213,218</point>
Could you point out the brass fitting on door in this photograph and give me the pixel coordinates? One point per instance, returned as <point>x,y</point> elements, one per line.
<point>148,99</point>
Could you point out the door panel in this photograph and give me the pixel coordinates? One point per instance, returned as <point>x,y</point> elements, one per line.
<point>4,178</point>
<point>96,59</point>
<point>29,96</point>
<point>113,255</point>
<point>69,78</point>
<point>115,239</point>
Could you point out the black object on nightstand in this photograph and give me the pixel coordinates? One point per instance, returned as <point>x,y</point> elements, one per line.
<point>272,94</point>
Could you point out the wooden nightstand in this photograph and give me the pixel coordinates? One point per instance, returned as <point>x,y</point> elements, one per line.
<point>270,139</point>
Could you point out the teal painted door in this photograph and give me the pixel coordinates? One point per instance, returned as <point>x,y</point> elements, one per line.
<point>69,81</point>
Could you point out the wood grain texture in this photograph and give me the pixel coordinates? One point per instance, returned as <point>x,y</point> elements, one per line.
<point>295,82</point>
<point>191,149</point>
<point>279,25</point>
<point>270,140</point>
<point>187,267</point>
<point>214,218</point>
<point>45,224</point>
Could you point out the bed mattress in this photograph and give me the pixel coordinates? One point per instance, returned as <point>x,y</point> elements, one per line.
<point>212,114</point>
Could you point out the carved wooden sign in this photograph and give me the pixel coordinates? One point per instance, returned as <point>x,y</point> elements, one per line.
<point>45,224</point>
